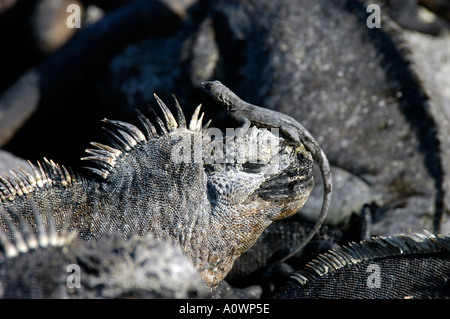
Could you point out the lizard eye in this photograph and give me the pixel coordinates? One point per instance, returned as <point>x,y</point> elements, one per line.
<point>252,168</point>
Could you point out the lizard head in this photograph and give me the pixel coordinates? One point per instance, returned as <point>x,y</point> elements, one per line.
<point>259,176</point>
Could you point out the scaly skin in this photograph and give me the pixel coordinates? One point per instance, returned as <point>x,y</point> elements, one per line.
<point>395,267</point>
<point>52,265</point>
<point>214,211</point>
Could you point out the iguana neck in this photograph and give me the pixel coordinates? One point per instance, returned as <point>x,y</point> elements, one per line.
<point>219,238</point>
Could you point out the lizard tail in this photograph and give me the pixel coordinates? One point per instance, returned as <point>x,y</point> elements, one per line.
<point>321,159</point>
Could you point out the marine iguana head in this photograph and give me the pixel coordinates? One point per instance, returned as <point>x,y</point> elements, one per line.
<point>258,171</point>
<point>247,195</point>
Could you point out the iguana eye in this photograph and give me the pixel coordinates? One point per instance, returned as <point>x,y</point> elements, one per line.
<point>252,168</point>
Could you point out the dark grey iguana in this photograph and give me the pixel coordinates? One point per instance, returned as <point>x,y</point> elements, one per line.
<point>49,264</point>
<point>160,180</point>
<point>396,267</point>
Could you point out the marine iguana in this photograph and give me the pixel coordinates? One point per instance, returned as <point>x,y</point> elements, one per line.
<point>157,180</point>
<point>395,267</point>
<point>231,42</point>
